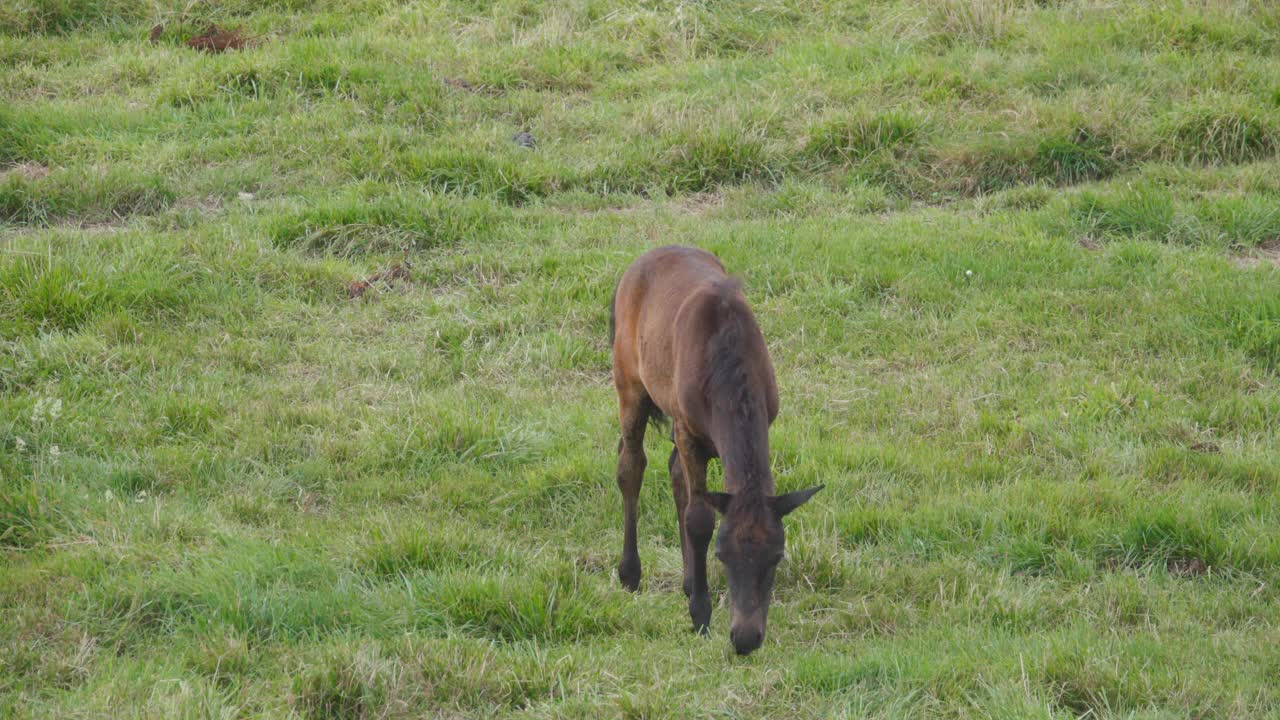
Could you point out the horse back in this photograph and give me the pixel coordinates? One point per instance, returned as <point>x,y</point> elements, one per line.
<point>670,306</point>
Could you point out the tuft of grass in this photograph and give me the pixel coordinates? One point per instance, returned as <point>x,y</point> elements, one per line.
<point>67,290</point>
<point>1161,539</point>
<point>1242,221</point>
<point>1214,135</point>
<point>25,516</point>
<point>24,137</point>
<point>356,225</point>
<point>698,160</point>
<point>1081,157</point>
<point>982,22</point>
<point>1255,328</point>
<point>1081,686</point>
<point>432,548</point>
<point>553,605</point>
<point>342,685</point>
<point>1143,210</point>
<point>850,140</point>
<point>63,16</point>
<point>92,197</point>
<point>470,173</point>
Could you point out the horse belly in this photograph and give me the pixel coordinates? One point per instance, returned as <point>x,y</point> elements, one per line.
<point>656,364</point>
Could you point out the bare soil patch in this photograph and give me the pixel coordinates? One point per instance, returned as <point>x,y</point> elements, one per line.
<point>700,203</point>
<point>25,170</point>
<point>1268,253</point>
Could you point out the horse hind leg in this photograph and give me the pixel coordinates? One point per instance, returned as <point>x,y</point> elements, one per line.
<point>633,413</point>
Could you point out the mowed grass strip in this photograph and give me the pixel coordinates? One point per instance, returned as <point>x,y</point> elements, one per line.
<point>1015,262</point>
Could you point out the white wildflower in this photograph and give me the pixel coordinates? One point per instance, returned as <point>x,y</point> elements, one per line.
<point>46,409</point>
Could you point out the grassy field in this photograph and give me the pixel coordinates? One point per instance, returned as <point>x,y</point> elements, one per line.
<point>1017,264</point>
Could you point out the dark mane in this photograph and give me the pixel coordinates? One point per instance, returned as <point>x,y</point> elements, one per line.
<point>727,379</point>
<point>731,392</point>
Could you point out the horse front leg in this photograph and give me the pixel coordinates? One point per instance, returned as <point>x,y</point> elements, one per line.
<point>699,525</point>
<point>680,494</point>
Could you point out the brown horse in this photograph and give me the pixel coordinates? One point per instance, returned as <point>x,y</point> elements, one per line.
<point>686,346</point>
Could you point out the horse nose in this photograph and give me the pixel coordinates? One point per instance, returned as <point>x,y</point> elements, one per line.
<point>747,640</point>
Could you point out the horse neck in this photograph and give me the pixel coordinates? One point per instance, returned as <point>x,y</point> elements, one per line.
<point>741,436</point>
<point>740,422</point>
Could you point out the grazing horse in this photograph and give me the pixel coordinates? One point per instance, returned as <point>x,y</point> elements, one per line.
<point>686,347</point>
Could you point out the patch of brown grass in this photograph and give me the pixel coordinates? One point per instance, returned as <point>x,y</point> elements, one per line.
<point>25,170</point>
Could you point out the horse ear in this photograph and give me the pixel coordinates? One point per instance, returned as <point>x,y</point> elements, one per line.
<point>783,504</point>
<point>719,501</point>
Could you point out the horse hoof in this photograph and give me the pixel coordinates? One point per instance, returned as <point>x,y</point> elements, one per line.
<point>700,613</point>
<point>629,576</point>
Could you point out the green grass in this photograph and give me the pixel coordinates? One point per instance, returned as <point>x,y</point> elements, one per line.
<point>1013,261</point>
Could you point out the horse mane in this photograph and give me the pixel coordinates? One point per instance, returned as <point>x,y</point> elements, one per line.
<point>729,387</point>
<point>727,379</point>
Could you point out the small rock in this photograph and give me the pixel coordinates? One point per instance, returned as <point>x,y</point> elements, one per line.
<point>524,139</point>
<point>245,196</point>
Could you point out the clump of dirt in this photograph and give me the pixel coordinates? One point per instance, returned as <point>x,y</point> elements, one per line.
<point>399,271</point>
<point>1187,567</point>
<point>215,40</point>
<point>468,86</point>
<point>1270,251</point>
<point>1089,243</point>
<point>1206,446</point>
<point>388,277</point>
